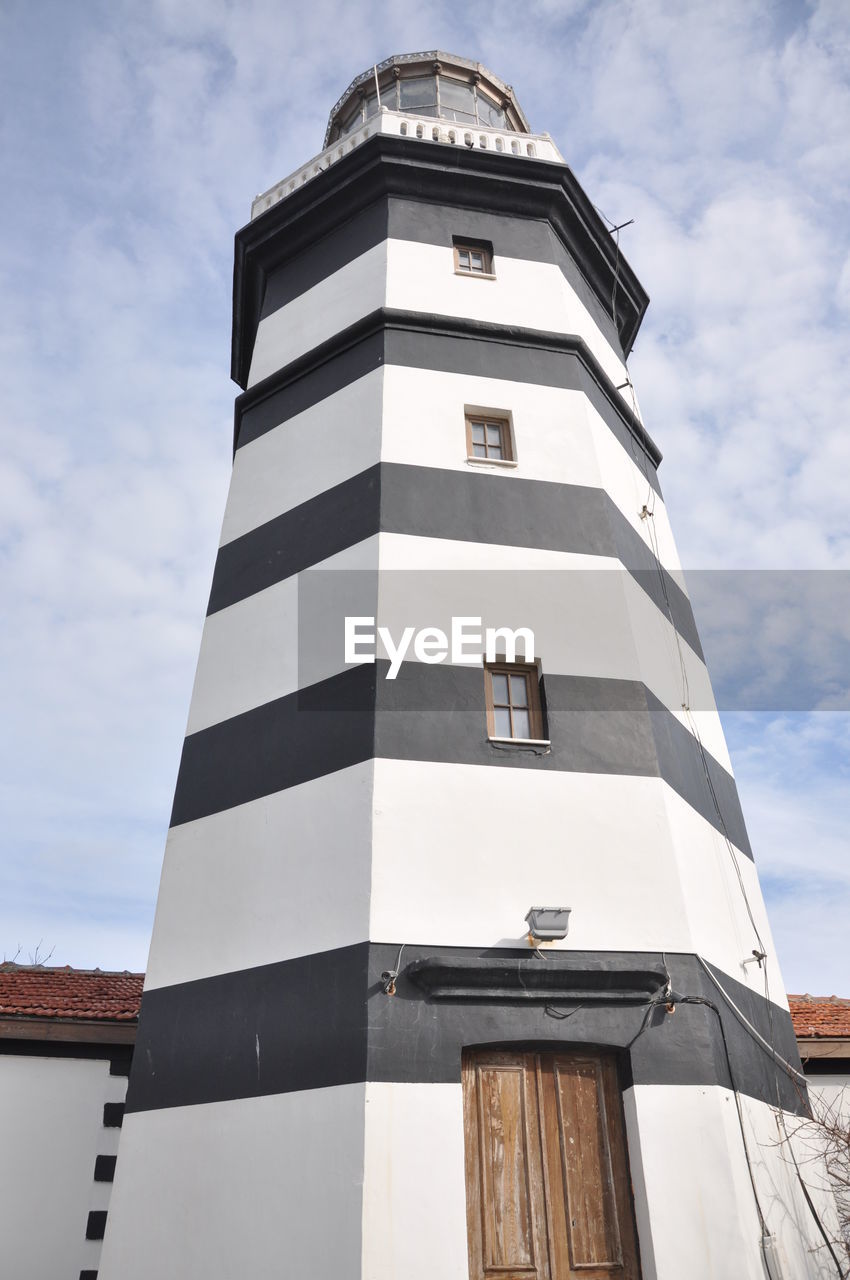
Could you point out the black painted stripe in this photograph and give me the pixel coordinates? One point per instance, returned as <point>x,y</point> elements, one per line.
<point>322,1020</point>
<point>308,734</point>
<point>436,713</point>
<point>113,1115</point>
<point>459,178</point>
<point>308,380</point>
<point>431,502</point>
<point>450,345</point>
<point>96,1224</point>
<point>419,222</point>
<point>305,535</point>
<point>323,257</point>
<point>104,1169</point>
<point>88,1275</point>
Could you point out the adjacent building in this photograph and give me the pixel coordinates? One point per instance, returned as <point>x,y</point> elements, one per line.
<point>66,1041</point>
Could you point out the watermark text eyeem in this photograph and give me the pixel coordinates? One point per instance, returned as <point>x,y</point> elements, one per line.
<point>467,644</point>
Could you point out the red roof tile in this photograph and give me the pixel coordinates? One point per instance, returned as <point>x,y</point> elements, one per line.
<point>819,1016</point>
<point>34,991</point>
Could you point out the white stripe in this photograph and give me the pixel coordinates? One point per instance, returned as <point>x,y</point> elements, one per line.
<point>589,617</point>
<point>258,1187</point>
<point>388,860</point>
<point>416,417</point>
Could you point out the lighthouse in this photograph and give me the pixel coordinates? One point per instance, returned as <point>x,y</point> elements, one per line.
<point>460,967</point>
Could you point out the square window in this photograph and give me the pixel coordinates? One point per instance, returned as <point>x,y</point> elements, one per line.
<point>473,259</point>
<point>489,439</point>
<point>514,705</point>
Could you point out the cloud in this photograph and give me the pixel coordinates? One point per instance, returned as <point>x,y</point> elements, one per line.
<point>794,782</point>
<point>134,140</point>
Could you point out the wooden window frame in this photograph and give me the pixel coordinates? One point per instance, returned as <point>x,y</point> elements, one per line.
<point>502,421</point>
<point>470,247</point>
<point>531,672</point>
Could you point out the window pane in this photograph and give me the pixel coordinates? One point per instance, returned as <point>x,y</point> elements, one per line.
<point>522,724</point>
<point>500,687</point>
<point>418,93</point>
<point>352,122</point>
<point>456,95</point>
<point>519,691</point>
<point>490,114</point>
<point>463,259</point>
<point>371,106</point>
<point>494,434</point>
<point>477,432</point>
<point>479,451</point>
<point>502,722</point>
<point>494,450</point>
<point>476,261</point>
<point>459,117</point>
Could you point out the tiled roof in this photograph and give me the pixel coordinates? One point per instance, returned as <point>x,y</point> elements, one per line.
<point>34,991</point>
<point>820,1016</point>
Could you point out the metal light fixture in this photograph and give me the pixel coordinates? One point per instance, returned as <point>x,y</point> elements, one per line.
<point>548,924</point>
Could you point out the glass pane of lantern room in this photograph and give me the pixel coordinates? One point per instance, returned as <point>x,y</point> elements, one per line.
<point>352,122</point>
<point>490,114</point>
<point>371,105</point>
<point>457,100</point>
<point>419,93</point>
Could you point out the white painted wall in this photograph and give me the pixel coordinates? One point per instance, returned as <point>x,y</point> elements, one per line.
<point>559,437</point>
<point>279,1178</point>
<point>421,277</point>
<point>250,652</point>
<point>533,295</point>
<point>588,615</point>
<point>693,1199</point>
<point>831,1094</point>
<point>416,417</point>
<point>327,443</point>
<point>51,1130</point>
<point>235,884</point>
<point>641,870</point>
<point>333,304</point>
<point>414,1187</point>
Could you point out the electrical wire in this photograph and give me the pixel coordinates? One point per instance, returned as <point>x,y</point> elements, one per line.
<point>748,1026</point>
<point>648,515</point>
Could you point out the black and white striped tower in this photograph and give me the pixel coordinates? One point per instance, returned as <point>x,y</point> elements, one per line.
<point>352,1061</point>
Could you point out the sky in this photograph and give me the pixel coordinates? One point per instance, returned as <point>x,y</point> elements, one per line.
<point>133,138</point>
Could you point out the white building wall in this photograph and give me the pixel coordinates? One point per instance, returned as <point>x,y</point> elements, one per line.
<point>533,295</point>
<point>831,1094</point>
<point>218,913</point>
<point>51,1131</point>
<point>693,1199</point>
<point>410,276</point>
<point>280,1176</point>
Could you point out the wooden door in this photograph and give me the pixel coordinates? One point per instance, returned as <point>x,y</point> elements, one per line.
<point>547,1184</point>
